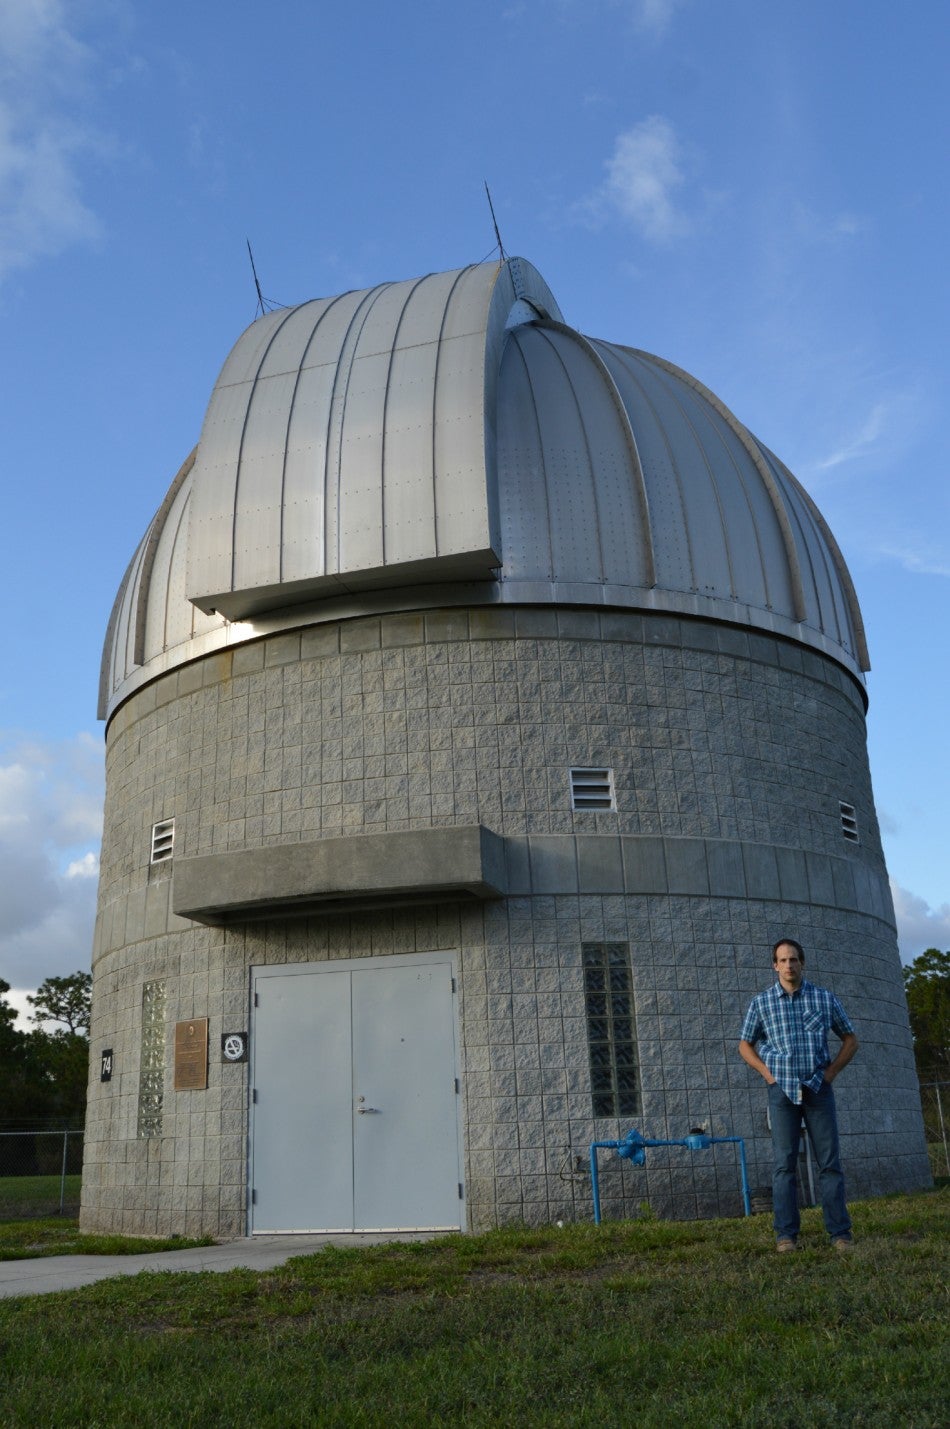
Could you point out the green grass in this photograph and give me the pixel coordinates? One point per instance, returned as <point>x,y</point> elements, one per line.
<point>39,1195</point>
<point>647,1322</point>
<point>30,1240</point>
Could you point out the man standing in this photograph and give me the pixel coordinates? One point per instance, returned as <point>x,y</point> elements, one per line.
<point>790,1023</point>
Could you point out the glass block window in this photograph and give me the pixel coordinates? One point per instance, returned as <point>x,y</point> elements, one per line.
<point>608,999</point>
<point>152,1059</point>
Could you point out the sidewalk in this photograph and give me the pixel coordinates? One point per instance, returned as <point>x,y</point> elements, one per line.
<point>70,1272</point>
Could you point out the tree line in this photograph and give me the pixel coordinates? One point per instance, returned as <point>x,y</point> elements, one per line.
<point>43,1071</point>
<point>927,985</point>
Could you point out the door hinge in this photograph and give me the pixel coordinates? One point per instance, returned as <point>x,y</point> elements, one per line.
<point>454,988</point>
<point>257,1000</point>
<point>461,1192</point>
<point>253,1197</point>
<point>458,1086</point>
<point>253,1094</point>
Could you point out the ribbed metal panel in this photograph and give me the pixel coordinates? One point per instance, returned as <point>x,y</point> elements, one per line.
<point>571,488</point>
<point>170,620</point>
<point>406,441</point>
<point>304,480</point>
<point>123,642</point>
<point>407,497</point>
<point>660,440</point>
<point>819,603</point>
<point>577,497</point>
<point>114,669</point>
<point>347,437</point>
<point>362,478</point>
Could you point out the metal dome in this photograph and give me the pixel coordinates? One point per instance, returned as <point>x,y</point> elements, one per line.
<point>451,440</point>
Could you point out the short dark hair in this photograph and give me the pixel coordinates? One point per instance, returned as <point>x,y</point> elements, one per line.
<point>792,944</point>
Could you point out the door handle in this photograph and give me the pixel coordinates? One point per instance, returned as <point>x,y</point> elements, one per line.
<point>364,1109</point>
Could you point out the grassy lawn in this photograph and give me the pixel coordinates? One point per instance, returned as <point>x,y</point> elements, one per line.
<point>646,1322</point>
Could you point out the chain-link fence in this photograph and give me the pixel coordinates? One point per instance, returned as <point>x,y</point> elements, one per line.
<point>40,1174</point>
<point>935,1104</point>
<point>41,1171</point>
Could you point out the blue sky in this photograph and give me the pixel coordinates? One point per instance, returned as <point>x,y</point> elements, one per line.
<point>755,192</point>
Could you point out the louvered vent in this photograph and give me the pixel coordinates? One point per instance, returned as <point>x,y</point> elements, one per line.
<point>849,822</point>
<point>163,840</point>
<point>592,789</point>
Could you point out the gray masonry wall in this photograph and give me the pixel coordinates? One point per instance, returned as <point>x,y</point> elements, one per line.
<point>730,751</point>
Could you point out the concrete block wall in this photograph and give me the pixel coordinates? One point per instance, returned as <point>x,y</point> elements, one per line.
<point>730,751</point>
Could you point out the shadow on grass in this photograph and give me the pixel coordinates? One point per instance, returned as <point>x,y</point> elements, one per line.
<point>59,1235</point>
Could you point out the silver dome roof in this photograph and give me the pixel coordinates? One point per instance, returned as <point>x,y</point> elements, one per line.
<point>451,440</point>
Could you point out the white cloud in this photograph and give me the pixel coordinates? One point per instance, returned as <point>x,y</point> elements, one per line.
<point>863,440</point>
<point>847,225</point>
<point>649,17</point>
<point>30,30</point>
<point>654,16</point>
<point>870,422</point>
<point>17,999</point>
<point>643,176</point>
<point>813,227</point>
<point>85,867</point>
<point>50,828</point>
<point>859,442</point>
<point>918,925</point>
<point>921,557</point>
<point>45,72</point>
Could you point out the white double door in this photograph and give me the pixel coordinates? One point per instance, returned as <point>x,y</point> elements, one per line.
<point>354,1115</point>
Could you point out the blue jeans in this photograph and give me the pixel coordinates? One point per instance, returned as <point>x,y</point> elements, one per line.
<point>818,1111</point>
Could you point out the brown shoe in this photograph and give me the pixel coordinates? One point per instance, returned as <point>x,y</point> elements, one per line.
<point>785,1245</point>
<point>843,1244</point>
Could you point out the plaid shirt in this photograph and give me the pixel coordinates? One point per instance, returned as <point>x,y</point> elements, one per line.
<point>793,1030</point>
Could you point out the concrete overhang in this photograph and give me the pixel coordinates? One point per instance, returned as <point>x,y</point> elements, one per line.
<point>341,874</point>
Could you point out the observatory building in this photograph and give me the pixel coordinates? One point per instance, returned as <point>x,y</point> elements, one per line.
<point>482,702</point>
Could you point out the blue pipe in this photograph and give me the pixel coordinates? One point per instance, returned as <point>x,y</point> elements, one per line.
<point>633,1148</point>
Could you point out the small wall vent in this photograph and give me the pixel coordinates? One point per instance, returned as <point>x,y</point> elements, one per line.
<point>592,789</point>
<point>163,840</point>
<point>849,822</point>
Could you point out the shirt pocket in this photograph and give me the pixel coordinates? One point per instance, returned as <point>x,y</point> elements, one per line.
<point>813,1021</point>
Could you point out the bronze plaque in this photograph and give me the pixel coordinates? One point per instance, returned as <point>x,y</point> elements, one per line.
<point>191,1055</point>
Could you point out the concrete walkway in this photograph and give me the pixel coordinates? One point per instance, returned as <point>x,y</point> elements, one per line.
<point>69,1272</point>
